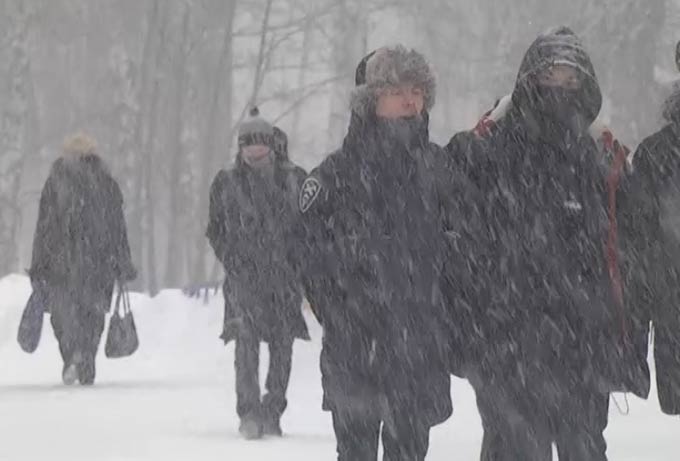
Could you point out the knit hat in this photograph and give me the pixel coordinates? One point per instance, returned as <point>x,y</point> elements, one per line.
<point>558,45</point>
<point>255,130</point>
<point>391,66</point>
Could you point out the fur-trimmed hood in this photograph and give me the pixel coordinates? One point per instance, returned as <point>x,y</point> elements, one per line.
<point>390,66</point>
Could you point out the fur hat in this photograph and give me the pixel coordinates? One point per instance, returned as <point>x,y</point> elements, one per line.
<point>79,145</point>
<point>255,130</point>
<point>391,66</point>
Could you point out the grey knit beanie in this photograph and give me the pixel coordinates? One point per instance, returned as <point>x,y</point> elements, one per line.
<point>255,130</point>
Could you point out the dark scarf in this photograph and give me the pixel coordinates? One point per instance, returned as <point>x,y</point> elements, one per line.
<point>263,197</point>
<point>392,193</point>
<point>386,155</point>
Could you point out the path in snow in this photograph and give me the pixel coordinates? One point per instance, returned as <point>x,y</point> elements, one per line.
<point>174,400</point>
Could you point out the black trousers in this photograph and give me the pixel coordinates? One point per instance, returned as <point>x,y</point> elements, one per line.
<point>519,426</point>
<point>78,326</point>
<point>248,402</point>
<point>667,359</point>
<point>358,436</point>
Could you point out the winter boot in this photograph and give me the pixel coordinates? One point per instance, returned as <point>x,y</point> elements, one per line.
<point>272,408</point>
<point>69,374</point>
<point>271,426</point>
<point>251,427</point>
<point>86,371</point>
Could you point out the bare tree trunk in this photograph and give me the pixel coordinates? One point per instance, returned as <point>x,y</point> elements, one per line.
<point>13,134</point>
<point>348,48</point>
<point>149,202</point>
<point>261,66</point>
<point>302,76</point>
<point>31,162</point>
<point>173,274</point>
<point>633,85</point>
<point>222,81</point>
<point>150,144</point>
<point>134,172</point>
<point>260,70</point>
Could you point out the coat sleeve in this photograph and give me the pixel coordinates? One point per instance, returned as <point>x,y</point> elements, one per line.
<point>654,279</point>
<point>467,253</point>
<point>638,215</point>
<point>124,267</point>
<point>218,232</point>
<point>295,232</point>
<point>643,207</point>
<point>45,239</point>
<point>313,254</point>
<point>464,210</point>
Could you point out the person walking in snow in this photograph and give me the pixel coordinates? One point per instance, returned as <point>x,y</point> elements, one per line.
<point>252,210</point>
<point>80,250</point>
<point>545,320</point>
<point>649,213</point>
<point>372,238</point>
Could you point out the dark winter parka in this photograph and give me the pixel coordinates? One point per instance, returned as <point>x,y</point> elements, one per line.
<point>250,230</point>
<point>540,309</point>
<point>649,213</point>
<point>372,240</point>
<point>81,243</point>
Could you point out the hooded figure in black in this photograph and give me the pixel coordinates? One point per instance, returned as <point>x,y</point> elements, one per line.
<point>650,221</point>
<point>252,210</point>
<point>544,350</point>
<point>372,246</point>
<point>80,251</point>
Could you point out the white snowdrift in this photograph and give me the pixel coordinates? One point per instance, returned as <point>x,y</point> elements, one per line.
<point>174,400</point>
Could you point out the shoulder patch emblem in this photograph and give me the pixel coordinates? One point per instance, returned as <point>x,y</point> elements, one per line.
<point>308,193</point>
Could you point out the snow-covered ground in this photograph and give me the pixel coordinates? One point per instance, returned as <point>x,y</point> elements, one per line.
<point>174,400</point>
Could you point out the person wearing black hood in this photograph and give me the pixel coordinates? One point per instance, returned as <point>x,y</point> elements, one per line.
<point>253,207</point>
<point>372,243</point>
<point>649,213</point>
<point>546,328</point>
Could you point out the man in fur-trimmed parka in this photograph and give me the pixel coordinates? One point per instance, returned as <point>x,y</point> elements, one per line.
<point>373,242</point>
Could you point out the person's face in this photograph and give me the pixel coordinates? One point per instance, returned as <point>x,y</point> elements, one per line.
<point>405,100</point>
<point>257,155</point>
<point>560,76</point>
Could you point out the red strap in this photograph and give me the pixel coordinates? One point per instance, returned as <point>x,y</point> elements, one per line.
<point>484,127</point>
<point>620,154</point>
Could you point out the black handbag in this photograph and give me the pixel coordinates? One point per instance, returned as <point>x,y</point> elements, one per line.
<point>122,340</point>
<point>30,327</point>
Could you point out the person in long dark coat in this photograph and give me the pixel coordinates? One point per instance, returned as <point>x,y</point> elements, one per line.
<point>80,251</point>
<point>649,215</point>
<point>372,238</point>
<point>546,335</point>
<point>252,210</point>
